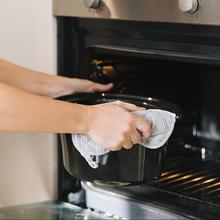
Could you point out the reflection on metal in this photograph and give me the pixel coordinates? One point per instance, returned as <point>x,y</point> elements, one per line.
<point>169,177</point>
<point>141,10</point>
<point>196,175</point>
<point>208,186</point>
<point>214,191</point>
<point>199,184</point>
<point>103,200</point>
<point>49,211</point>
<point>203,153</point>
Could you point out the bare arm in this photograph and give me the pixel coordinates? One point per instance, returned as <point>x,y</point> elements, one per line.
<point>23,111</point>
<point>111,125</point>
<point>44,84</point>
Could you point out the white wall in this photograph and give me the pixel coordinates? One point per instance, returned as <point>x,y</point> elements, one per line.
<point>27,161</point>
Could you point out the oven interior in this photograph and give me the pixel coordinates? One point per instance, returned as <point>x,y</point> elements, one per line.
<point>192,167</point>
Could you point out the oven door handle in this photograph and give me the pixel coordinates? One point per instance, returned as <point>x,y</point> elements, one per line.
<point>163,54</point>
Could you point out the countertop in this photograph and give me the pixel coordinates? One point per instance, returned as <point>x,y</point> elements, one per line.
<point>48,211</point>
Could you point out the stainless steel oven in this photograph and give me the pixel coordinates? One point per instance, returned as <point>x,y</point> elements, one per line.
<point>166,49</point>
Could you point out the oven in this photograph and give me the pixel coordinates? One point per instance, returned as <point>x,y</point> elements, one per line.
<point>163,49</point>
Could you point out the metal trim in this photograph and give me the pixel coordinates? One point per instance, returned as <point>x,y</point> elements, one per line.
<point>141,10</point>
<point>118,204</point>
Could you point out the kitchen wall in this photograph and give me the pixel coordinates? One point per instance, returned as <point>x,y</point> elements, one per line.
<point>27,161</point>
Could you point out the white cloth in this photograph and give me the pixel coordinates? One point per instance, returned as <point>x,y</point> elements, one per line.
<point>162,123</point>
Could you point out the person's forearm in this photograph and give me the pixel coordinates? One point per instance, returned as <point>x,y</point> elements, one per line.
<point>23,111</point>
<point>31,81</point>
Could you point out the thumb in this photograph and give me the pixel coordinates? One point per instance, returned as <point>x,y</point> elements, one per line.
<point>143,127</point>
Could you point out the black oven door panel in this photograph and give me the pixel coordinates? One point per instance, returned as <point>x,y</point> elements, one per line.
<point>178,63</point>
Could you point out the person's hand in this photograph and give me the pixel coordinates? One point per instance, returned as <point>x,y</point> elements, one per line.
<point>83,85</point>
<point>67,86</point>
<point>114,126</point>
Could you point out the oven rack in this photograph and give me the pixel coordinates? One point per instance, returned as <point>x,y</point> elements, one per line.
<point>193,172</point>
<point>190,182</point>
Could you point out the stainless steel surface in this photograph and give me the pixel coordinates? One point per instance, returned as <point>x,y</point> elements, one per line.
<point>48,211</point>
<point>189,6</point>
<point>92,3</point>
<point>142,10</point>
<point>122,206</point>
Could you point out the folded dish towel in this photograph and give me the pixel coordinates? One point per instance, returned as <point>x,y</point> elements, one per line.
<point>162,123</point>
